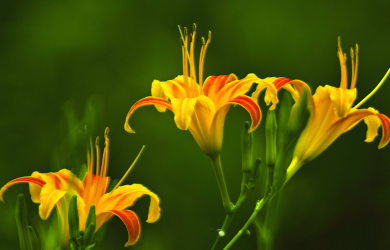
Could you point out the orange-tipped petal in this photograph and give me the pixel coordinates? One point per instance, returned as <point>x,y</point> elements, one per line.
<point>143,102</point>
<point>26,179</point>
<point>268,83</point>
<point>251,106</point>
<point>385,130</point>
<point>132,224</point>
<point>124,196</point>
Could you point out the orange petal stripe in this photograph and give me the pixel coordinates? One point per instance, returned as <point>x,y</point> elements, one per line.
<point>32,180</point>
<point>280,82</point>
<point>251,106</point>
<point>385,130</point>
<point>214,84</point>
<point>143,102</point>
<point>131,222</point>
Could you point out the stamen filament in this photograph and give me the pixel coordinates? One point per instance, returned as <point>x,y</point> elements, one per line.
<point>97,156</point>
<point>354,66</point>
<point>201,61</point>
<point>193,68</point>
<point>128,171</point>
<point>343,59</point>
<point>375,90</point>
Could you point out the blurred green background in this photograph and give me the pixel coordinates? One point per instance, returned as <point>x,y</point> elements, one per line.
<point>60,59</point>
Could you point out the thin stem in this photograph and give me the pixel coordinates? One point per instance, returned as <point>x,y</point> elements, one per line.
<point>222,184</point>
<point>259,205</point>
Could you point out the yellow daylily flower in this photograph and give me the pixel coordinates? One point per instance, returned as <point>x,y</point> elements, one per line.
<point>57,189</point>
<point>332,114</point>
<point>200,107</point>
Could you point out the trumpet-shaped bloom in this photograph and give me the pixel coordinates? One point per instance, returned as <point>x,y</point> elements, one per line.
<point>200,107</point>
<point>332,114</point>
<point>56,189</point>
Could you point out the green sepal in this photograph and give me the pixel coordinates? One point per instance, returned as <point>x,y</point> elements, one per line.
<point>247,149</point>
<point>297,123</point>
<point>89,232</point>
<point>73,244</point>
<point>73,218</point>
<point>90,247</point>
<point>91,216</point>
<point>270,138</point>
<point>79,240</point>
<point>254,175</point>
<point>284,116</point>
<point>21,223</point>
<point>33,238</point>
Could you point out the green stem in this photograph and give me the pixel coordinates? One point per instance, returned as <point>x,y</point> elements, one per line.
<point>222,184</point>
<point>259,205</point>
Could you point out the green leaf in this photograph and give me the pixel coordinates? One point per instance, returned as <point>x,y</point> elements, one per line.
<point>73,218</point>
<point>33,238</point>
<point>21,223</point>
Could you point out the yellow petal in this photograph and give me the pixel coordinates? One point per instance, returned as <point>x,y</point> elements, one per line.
<point>183,110</point>
<point>342,99</point>
<point>373,123</point>
<point>49,197</point>
<point>174,89</point>
<point>124,196</point>
<point>271,93</point>
<point>157,91</point>
<point>35,190</point>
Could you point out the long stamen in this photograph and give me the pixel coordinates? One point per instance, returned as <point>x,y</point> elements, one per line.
<point>375,90</point>
<point>343,59</point>
<point>354,66</point>
<point>184,42</point>
<point>128,171</point>
<point>103,171</point>
<point>201,61</point>
<point>201,66</point>
<point>97,156</point>
<point>192,59</point>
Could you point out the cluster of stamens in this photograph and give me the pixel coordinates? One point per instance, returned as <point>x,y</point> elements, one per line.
<point>189,56</point>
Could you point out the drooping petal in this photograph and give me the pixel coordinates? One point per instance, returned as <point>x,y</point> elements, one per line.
<point>342,99</point>
<point>157,91</point>
<point>251,106</point>
<point>33,180</point>
<point>132,224</point>
<point>385,130</point>
<point>373,123</point>
<point>183,110</point>
<point>124,196</point>
<point>214,84</point>
<point>267,83</point>
<point>143,102</point>
<point>49,197</point>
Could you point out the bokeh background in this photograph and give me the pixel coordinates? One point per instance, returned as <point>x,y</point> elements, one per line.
<point>64,64</point>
